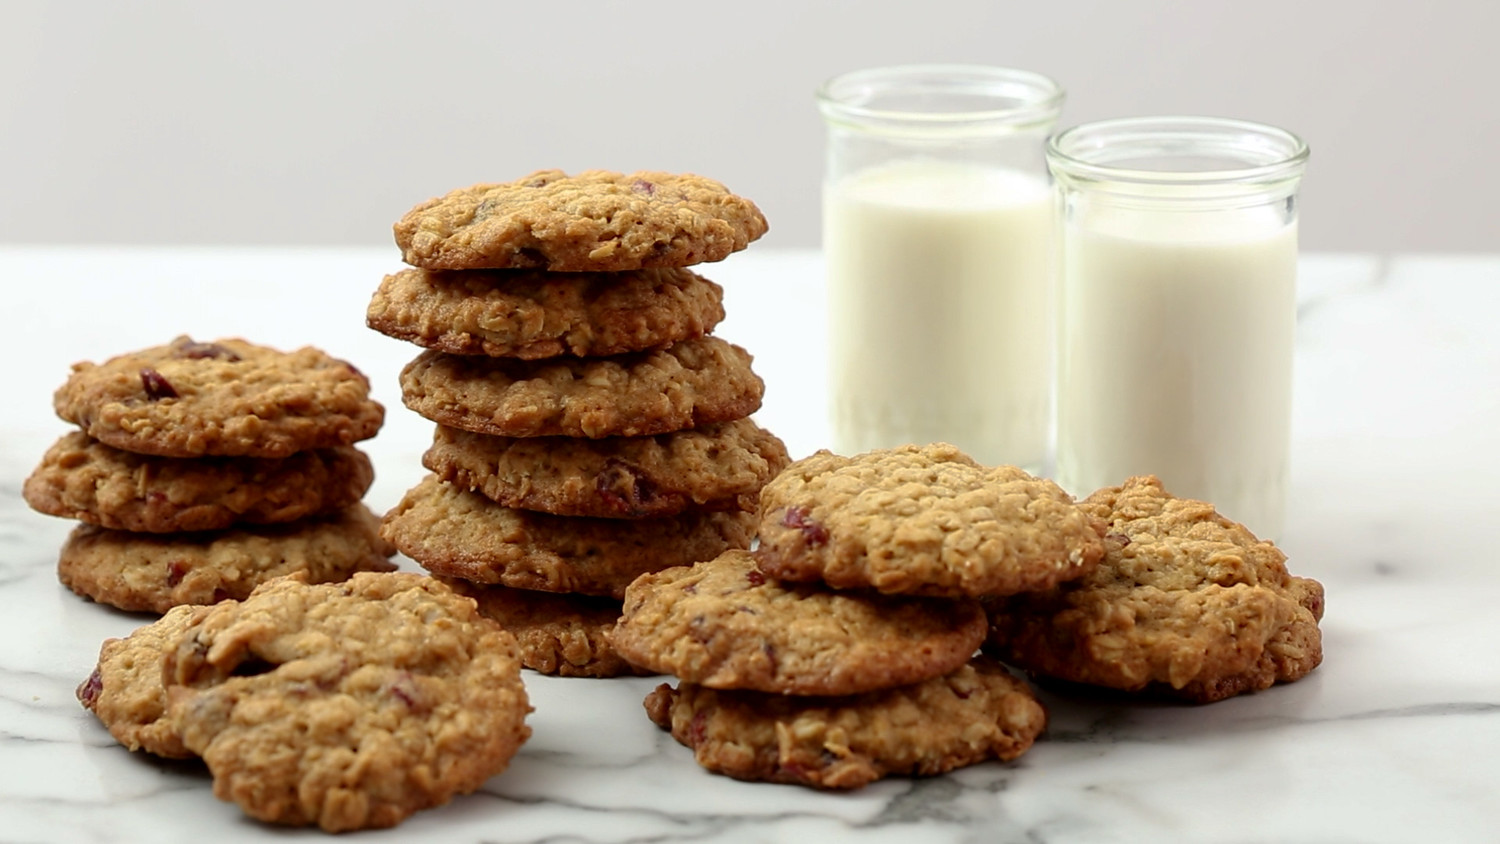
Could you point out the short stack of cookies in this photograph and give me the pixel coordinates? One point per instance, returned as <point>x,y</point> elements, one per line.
<point>202,470</point>
<point>589,427</point>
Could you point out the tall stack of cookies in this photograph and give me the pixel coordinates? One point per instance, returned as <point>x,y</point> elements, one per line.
<point>589,427</point>
<point>202,470</point>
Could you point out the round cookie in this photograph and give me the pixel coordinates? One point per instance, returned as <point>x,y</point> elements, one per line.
<point>347,705</point>
<point>563,635</point>
<point>719,466</point>
<point>595,221</point>
<point>81,478</point>
<point>147,572</point>
<point>922,520</point>
<point>461,534</point>
<point>691,384</point>
<point>229,398</point>
<point>724,625</point>
<point>534,314</point>
<point>125,689</point>
<point>975,713</point>
<point>1186,603</point>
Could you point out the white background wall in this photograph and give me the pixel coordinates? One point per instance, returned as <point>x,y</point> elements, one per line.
<point>318,122</point>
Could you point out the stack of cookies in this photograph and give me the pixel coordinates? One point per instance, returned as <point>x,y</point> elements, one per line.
<point>589,428</point>
<point>204,469</point>
<point>844,649</point>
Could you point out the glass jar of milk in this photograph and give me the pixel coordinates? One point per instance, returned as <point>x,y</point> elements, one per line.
<point>1177,308</point>
<point>938,222</point>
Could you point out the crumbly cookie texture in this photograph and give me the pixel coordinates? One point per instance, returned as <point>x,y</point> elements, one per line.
<point>461,534</point>
<point>348,705</point>
<point>595,221</point>
<point>82,478</point>
<point>229,398</point>
<point>724,625</point>
<point>1186,603</point>
<point>923,520</point>
<point>973,714</point>
<point>535,314</point>
<point>719,467</point>
<point>691,384</point>
<point>145,572</point>
<point>125,689</point>
<point>562,635</point>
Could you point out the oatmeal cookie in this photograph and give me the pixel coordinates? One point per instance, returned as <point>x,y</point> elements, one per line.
<point>228,398</point>
<point>461,534</point>
<point>689,385</point>
<point>563,635</point>
<point>347,705</point>
<point>534,314</point>
<point>81,478</point>
<point>922,520</point>
<point>972,714</point>
<point>594,221</point>
<point>724,625</point>
<point>126,692</point>
<point>1186,603</point>
<point>718,467</point>
<point>151,572</point>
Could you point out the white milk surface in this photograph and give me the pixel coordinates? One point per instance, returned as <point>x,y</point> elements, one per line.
<point>1176,356</point>
<point>939,309</point>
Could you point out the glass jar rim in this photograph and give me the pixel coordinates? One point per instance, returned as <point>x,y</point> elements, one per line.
<point>1251,153</point>
<point>1002,98</point>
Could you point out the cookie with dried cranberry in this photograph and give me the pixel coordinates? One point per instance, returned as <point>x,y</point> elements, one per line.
<point>82,478</point>
<point>228,398</point>
<point>972,714</point>
<point>153,572</point>
<point>691,384</point>
<point>535,314</point>
<point>717,467</point>
<point>922,520</point>
<point>559,634</point>
<point>724,625</point>
<point>1187,604</point>
<point>347,705</point>
<point>597,220</point>
<point>125,690</point>
<point>456,533</point>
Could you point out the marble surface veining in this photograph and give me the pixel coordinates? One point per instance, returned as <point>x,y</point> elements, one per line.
<point>1393,506</point>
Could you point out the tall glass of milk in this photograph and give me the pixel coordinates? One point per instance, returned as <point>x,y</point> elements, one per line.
<point>938,232</point>
<point>1177,308</point>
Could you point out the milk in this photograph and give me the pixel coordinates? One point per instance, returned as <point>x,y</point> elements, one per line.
<point>939,317</point>
<point>1176,355</point>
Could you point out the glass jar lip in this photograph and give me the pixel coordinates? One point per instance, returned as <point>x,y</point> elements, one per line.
<point>1254,153</point>
<point>1005,97</point>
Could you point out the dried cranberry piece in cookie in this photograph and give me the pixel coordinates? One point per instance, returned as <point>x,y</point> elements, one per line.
<point>156,385</point>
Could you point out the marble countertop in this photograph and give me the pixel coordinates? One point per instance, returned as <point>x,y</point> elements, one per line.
<point>1393,506</point>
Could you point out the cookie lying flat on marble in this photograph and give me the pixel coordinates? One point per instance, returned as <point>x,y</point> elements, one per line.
<point>720,467</point>
<point>562,635</point>
<point>922,520</point>
<point>348,705</point>
<point>81,478</point>
<point>977,712</point>
<point>228,398</point>
<point>125,690</point>
<point>1186,603</point>
<point>535,314</point>
<point>152,572</point>
<point>456,533</point>
<point>724,625</point>
<point>691,384</point>
<point>595,221</point>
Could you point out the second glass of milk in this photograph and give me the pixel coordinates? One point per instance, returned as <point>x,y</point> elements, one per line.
<point>938,222</point>
<point>1178,304</point>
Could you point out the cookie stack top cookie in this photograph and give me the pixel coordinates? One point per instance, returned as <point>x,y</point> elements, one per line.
<point>589,426</point>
